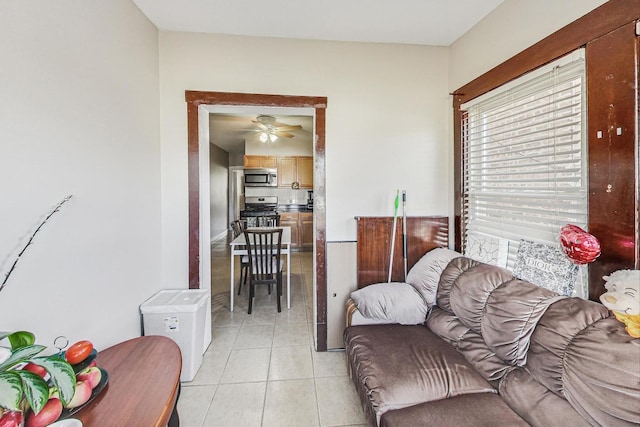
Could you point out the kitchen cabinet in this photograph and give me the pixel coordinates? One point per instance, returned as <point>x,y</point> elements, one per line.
<point>291,219</point>
<point>295,169</point>
<point>270,162</point>
<point>301,224</point>
<point>305,172</point>
<point>287,171</point>
<point>306,229</point>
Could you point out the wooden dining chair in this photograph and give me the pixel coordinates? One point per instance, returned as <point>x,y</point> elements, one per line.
<point>238,228</point>
<point>265,263</point>
<point>268,220</point>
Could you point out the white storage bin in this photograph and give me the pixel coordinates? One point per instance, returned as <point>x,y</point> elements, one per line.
<point>180,315</point>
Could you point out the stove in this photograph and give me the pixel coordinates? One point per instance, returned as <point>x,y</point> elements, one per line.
<point>260,211</point>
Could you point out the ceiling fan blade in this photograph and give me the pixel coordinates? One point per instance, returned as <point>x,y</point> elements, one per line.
<point>284,134</point>
<point>260,125</point>
<point>287,128</point>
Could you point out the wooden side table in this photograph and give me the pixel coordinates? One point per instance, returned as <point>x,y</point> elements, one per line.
<point>143,388</point>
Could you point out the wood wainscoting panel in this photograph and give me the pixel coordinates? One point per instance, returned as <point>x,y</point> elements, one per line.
<point>612,120</point>
<point>374,245</point>
<point>341,281</point>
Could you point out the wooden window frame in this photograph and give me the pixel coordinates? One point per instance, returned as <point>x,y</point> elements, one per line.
<point>604,20</point>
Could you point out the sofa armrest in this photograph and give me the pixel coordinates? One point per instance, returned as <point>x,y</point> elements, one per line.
<point>355,318</point>
<point>350,309</point>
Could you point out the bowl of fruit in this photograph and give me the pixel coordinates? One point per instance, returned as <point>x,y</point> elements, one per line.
<point>36,390</point>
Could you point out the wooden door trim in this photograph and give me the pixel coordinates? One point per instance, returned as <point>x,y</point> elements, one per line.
<point>196,98</point>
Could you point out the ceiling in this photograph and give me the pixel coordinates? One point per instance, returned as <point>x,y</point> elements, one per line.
<point>229,131</point>
<point>423,22</point>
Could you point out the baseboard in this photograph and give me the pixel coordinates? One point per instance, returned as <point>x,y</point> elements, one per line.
<point>219,236</point>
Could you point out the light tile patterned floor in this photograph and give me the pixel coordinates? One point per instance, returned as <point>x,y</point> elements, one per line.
<point>261,369</point>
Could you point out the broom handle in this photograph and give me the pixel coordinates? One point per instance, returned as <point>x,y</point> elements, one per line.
<point>393,244</point>
<point>393,234</point>
<point>404,232</point>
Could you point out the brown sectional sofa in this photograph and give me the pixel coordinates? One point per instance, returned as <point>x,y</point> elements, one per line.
<point>497,351</point>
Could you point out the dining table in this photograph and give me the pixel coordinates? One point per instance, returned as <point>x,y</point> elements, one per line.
<point>239,248</point>
<point>143,385</point>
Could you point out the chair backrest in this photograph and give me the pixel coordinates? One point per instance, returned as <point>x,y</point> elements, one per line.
<point>237,227</point>
<point>263,248</point>
<point>270,220</point>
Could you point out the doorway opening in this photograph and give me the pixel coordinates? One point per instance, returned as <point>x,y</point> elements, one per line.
<point>199,106</point>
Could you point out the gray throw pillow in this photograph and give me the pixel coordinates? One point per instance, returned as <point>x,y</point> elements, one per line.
<point>395,302</point>
<point>425,274</point>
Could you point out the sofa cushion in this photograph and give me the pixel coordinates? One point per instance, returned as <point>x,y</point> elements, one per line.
<point>425,274</point>
<point>451,272</point>
<point>470,344</point>
<point>446,325</point>
<point>469,410</point>
<point>396,366</point>
<point>492,303</point>
<point>471,290</point>
<point>535,403</point>
<point>553,335</point>
<point>510,317</point>
<point>582,354</point>
<point>391,302</point>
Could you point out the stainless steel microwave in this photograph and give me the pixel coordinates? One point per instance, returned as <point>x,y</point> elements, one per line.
<point>260,177</point>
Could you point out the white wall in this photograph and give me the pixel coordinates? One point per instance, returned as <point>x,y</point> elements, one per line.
<point>281,147</point>
<point>509,29</point>
<point>387,121</point>
<point>79,114</point>
<point>219,189</point>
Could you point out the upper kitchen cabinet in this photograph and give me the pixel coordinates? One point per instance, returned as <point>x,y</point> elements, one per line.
<point>305,172</point>
<point>287,171</point>
<point>295,169</point>
<point>270,162</point>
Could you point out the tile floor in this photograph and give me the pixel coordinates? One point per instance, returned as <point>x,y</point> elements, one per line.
<point>261,369</point>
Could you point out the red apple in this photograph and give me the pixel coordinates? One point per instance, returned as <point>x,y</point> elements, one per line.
<point>78,352</point>
<point>11,419</point>
<point>48,414</point>
<point>92,375</point>
<point>81,395</point>
<point>36,369</point>
<point>53,392</point>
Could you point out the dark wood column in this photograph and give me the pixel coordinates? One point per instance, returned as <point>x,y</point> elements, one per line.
<point>611,108</point>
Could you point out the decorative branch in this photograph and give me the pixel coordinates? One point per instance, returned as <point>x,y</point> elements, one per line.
<point>31,237</point>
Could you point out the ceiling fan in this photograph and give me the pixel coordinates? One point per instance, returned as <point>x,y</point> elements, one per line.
<point>270,130</point>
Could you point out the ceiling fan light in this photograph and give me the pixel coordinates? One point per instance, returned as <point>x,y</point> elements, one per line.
<point>273,137</point>
<point>266,120</point>
<point>263,137</point>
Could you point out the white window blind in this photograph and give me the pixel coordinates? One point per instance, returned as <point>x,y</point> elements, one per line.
<point>524,161</point>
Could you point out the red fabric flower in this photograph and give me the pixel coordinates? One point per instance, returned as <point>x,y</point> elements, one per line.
<point>579,246</point>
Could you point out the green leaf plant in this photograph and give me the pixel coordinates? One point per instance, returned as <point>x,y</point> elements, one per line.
<point>18,387</point>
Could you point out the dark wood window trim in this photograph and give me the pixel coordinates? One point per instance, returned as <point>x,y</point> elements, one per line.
<point>196,98</point>
<point>596,25</point>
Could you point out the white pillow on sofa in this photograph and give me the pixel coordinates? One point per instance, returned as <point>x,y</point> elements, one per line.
<point>425,274</point>
<point>394,302</point>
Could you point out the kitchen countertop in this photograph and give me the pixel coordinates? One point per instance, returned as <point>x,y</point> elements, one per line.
<point>294,208</point>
